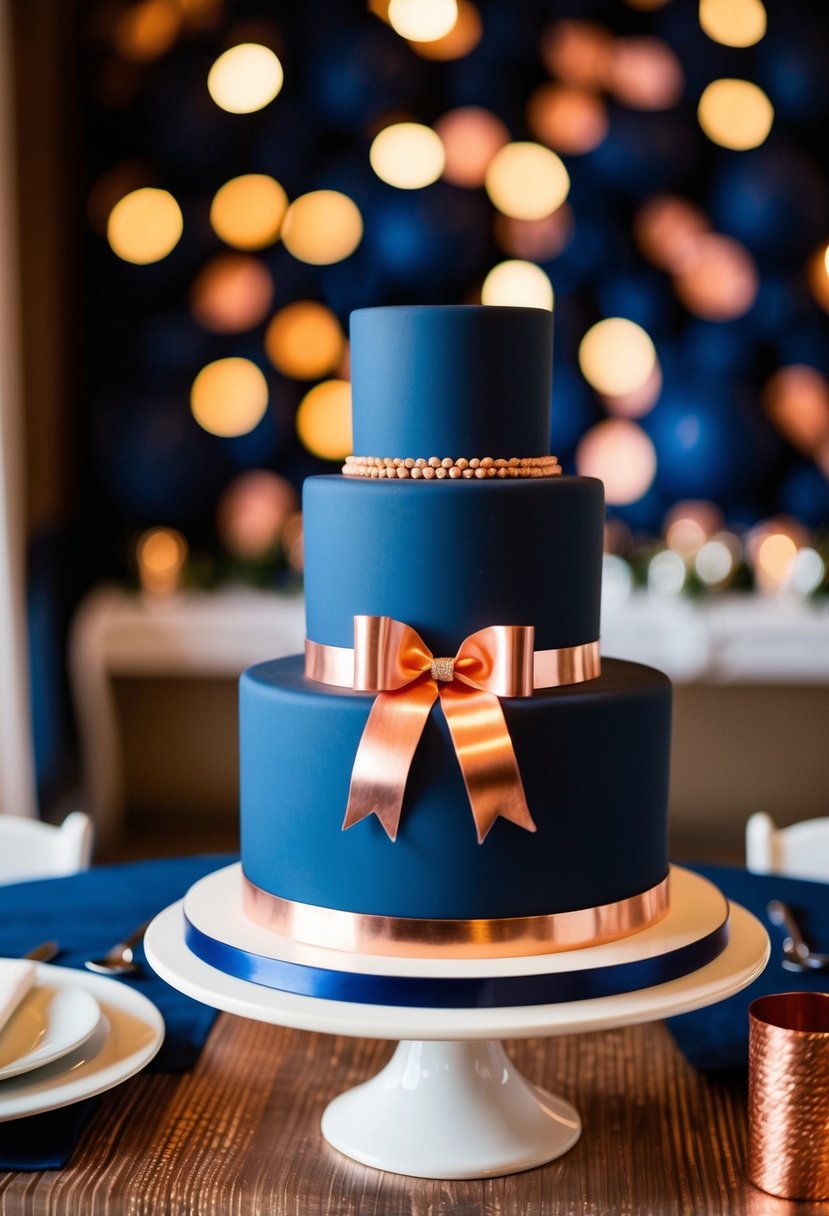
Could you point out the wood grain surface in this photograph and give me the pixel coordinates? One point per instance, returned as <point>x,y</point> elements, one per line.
<point>240,1136</point>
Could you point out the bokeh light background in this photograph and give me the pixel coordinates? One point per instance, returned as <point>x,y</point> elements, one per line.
<point>653,171</point>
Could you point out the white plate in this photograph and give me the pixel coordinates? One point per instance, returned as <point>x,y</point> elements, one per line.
<point>743,959</point>
<point>49,1023</point>
<point>129,1033</point>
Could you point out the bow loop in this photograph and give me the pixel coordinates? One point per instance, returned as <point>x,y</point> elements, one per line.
<point>391,659</point>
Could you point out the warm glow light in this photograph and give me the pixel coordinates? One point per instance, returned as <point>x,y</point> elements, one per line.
<point>252,513</point>
<point>578,52</point>
<point>304,340</point>
<point>621,455</point>
<point>247,211</point>
<point>775,555</point>
<point>422,20</point>
<point>667,229</point>
<point>689,524</point>
<point>232,293</point>
<point>527,181</point>
<point>245,78</point>
<point>322,227</point>
<point>735,114</point>
<point>819,276</point>
<point>733,22</point>
<point>570,120</point>
<point>145,226</point>
<point>535,240</point>
<point>470,136</point>
<point>161,554</point>
<point>645,73</point>
<point>719,280</point>
<point>616,356</point>
<point>323,420</point>
<point>714,563</point>
<point>638,402</point>
<point>147,30</point>
<point>407,155</point>
<point>229,397</point>
<point>463,37</point>
<point>517,283</point>
<point>797,401</point>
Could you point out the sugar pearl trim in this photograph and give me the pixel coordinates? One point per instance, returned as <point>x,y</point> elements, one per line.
<point>439,468</point>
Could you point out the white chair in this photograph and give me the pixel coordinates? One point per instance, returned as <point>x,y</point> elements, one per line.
<point>801,850</point>
<point>30,849</point>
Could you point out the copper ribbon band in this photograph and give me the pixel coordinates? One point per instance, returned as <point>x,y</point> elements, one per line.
<point>391,659</point>
<point>398,936</point>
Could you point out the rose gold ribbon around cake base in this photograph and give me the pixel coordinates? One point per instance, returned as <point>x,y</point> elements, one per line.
<point>398,937</point>
<point>391,659</point>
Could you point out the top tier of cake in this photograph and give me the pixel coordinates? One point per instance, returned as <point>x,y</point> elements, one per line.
<point>453,381</point>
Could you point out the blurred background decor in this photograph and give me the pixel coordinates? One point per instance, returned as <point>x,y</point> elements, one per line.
<point>209,187</point>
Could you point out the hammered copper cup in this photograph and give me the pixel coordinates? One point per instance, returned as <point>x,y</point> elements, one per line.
<point>788,1095</point>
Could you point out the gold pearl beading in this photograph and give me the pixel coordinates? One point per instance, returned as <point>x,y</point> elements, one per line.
<point>444,670</point>
<point>439,468</point>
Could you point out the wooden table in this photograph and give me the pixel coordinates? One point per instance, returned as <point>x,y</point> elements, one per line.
<point>240,1136</point>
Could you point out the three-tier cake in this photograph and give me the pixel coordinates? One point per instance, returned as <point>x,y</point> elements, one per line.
<point>450,767</point>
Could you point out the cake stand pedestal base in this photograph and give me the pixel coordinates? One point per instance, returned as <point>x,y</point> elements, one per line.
<point>450,1109</point>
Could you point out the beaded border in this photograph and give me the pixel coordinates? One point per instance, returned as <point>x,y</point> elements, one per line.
<point>435,467</point>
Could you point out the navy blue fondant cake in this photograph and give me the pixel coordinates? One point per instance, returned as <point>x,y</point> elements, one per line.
<point>450,766</point>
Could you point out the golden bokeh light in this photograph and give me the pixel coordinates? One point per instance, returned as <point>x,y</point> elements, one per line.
<point>407,155</point>
<point>733,22</point>
<point>147,30</point>
<point>578,52</point>
<point>252,513</point>
<point>245,78</point>
<point>232,293</point>
<point>819,276</point>
<point>471,135</point>
<point>569,119</point>
<point>247,212</point>
<point>527,181</point>
<point>304,340</point>
<point>719,280</point>
<point>323,420</point>
<point>322,227</point>
<point>229,397</point>
<point>644,73</point>
<point>620,454</point>
<point>735,114</point>
<point>535,240</point>
<point>161,554</point>
<point>667,228</point>
<point>616,356</point>
<point>422,20</point>
<point>639,401</point>
<point>463,37</point>
<point>690,523</point>
<point>145,226</point>
<point>772,547</point>
<point>775,554</point>
<point>517,283</point>
<point>797,401</point>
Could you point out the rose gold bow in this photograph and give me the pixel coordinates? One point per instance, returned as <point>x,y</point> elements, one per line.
<point>392,660</point>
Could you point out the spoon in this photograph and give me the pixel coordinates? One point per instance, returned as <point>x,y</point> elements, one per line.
<point>796,954</point>
<point>44,953</point>
<point>119,960</point>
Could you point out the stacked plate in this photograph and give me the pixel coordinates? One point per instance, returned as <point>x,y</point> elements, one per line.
<point>72,1036</point>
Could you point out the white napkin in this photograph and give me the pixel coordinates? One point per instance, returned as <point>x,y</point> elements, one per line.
<point>17,977</point>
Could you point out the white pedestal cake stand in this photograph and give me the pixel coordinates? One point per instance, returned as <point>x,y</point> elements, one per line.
<point>450,1103</point>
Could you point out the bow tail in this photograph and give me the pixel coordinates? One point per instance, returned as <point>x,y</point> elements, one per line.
<point>384,756</point>
<point>486,757</point>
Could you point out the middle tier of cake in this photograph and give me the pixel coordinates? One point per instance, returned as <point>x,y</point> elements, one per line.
<point>593,757</point>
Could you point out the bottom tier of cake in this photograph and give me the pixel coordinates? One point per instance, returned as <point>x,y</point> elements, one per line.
<point>594,759</point>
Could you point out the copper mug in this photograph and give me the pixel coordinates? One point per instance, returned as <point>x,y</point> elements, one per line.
<point>788,1095</point>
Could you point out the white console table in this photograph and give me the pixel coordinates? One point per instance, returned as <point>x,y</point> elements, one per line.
<point>729,640</point>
